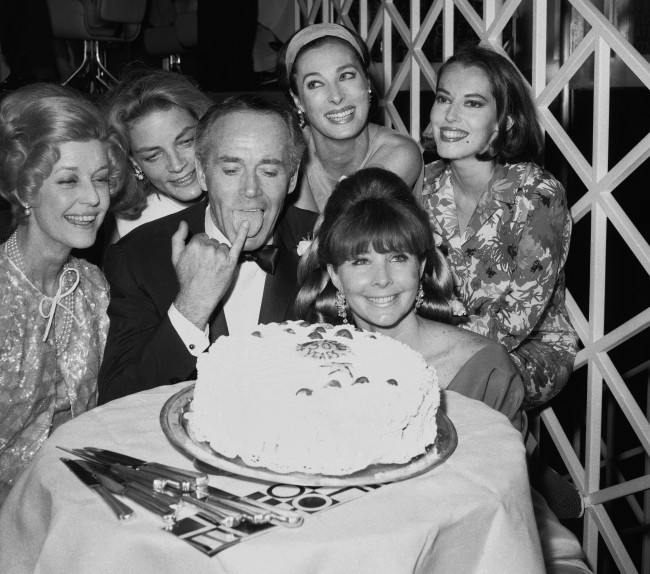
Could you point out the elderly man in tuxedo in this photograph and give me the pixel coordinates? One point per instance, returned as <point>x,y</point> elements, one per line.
<point>219,267</point>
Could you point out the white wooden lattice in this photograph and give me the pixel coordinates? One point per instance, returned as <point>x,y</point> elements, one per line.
<point>602,40</point>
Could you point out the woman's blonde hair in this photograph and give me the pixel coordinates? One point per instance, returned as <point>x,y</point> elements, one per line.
<point>34,121</point>
<point>139,93</point>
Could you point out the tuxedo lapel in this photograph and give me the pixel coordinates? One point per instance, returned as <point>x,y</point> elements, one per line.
<point>218,325</point>
<point>195,218</point>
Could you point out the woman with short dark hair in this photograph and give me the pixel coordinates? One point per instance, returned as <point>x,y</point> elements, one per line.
<point>502,219</point>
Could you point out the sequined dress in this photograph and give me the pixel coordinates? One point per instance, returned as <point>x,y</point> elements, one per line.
<point>45,383</point>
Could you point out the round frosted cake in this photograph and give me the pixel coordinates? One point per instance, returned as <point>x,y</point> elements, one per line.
<point>313,398</point>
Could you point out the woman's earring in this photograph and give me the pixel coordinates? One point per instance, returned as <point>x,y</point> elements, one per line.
<point>419,298</point>
<point>341,307</point>
<point>301,118</point>
<point>138,172</point>
<point>369,96</point>
<point>27,209</point>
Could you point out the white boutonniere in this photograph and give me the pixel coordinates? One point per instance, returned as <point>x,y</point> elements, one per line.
<point>303,246</point>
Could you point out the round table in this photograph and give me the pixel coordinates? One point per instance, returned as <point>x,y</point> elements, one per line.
<point>473,513</point>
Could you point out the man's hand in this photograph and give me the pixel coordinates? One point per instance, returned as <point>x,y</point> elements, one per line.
<point>205,269</point>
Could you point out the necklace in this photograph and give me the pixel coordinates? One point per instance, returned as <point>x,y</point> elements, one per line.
<point>11,249</point>
<point>62,328</point>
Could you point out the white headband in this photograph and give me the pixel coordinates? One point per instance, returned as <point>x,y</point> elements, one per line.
<point>311,33</point>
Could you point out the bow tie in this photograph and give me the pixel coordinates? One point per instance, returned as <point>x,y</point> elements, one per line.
<point>265,257</point>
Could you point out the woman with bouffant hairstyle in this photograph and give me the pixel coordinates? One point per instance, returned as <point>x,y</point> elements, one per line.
<point>373,264</point>
<point>58,168</point>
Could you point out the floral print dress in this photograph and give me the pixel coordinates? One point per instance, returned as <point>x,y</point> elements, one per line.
<point>508,267</point>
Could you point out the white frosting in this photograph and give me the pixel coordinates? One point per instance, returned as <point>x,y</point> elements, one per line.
<point>285,400</point>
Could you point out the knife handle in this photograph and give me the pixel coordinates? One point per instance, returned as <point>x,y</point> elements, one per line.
<point>121,510</point>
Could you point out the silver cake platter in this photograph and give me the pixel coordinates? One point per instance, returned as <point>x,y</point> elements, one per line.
<point>176,429</point>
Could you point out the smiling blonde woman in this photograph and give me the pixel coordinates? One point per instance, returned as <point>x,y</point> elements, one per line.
<point>153,114</point>
<point>57,169</point>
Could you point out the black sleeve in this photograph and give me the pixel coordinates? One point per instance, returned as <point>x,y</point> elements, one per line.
<point>143,349</point>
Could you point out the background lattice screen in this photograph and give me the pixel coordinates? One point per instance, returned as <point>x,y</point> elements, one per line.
<point>575,54</point>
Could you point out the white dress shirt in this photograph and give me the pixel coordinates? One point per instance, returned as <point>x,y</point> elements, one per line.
<point>241,304</point>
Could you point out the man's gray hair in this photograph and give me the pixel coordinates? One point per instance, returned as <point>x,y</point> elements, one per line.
<point>255,104</point>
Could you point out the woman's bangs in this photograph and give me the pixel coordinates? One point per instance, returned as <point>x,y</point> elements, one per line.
<point>388,235</point>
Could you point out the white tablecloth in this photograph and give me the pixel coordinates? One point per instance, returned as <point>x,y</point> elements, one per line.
<point>473,513</point>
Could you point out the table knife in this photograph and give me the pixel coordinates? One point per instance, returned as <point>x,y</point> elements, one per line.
<point>157,476</point>
<point>222,516</point>
<point>143,498</point>
<point>289,518</point>
<point>121,510</point>
<point>165,499</point>
<point>198,478</point>
<point>181,479</point>
<point>116,478</point>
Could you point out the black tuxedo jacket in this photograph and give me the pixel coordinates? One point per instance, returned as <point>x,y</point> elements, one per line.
<point>143,349</point>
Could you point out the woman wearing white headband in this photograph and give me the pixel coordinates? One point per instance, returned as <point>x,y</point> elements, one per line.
<point>324,70</point>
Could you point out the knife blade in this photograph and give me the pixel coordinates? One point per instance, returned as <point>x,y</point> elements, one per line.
<point>178,478</point>
<point>198,478</point>
<point>121,510</point>
<point>155,475</point>
<point>166,498</point>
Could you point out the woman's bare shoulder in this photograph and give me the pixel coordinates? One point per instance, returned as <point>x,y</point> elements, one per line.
<point>398,153</point>
<point>454,341</point>
<point>389,139</point>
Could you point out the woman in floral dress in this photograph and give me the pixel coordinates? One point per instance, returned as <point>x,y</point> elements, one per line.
<point>503,220</point>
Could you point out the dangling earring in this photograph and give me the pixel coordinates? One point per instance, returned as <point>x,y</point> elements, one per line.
<point>138,172</point>
<point>369,96</point>
<point>341,307</point>
<point>301,118</point>
<point>27,209</point>
<point>419,298</point>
